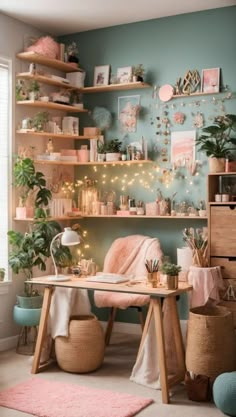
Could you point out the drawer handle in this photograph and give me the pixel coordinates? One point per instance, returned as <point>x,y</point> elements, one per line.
<point>232,207</point>
<point>232,259</point>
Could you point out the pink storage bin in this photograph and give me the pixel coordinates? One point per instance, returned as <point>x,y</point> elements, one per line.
<point>83,155</point>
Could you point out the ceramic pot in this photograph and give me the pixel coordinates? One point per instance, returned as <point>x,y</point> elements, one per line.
<point>26,317</point>
<point>110,156</point>
<point>172,282</point>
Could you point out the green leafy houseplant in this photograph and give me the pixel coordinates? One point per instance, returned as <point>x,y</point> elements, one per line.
<point>31,182</point>
<point>114,146</point>
<point>216,139</point>
<point>138,71</point>
<point>39,120</point>
<point>2,274</point>
<point>168,268</point>
<point>32,249</point>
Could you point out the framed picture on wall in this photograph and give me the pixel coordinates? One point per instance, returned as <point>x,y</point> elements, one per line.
<point>101,75</point>
<point>210,80</point>
<point>183,148</point>
<point>124,74</point>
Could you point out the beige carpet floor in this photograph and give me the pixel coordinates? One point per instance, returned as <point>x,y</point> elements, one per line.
<point>114,375</point>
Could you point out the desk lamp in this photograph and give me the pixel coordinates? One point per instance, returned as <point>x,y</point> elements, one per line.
<point>68,238</point>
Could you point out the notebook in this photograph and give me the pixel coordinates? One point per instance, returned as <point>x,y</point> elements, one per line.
<point>108,278</point>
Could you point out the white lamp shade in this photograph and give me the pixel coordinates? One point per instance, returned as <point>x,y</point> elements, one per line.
<point>69,237</point>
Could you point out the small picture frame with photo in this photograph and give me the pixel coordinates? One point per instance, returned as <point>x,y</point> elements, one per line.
<point>124,74</point>
<point>210,80</point>
<point>101,75</point>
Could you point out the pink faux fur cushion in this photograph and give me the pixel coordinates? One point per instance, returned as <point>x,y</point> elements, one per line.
<point>127,255</point>
<point>46,46</point>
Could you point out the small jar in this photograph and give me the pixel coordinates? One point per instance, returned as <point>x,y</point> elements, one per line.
<point>225,198</point>
<point>218,198</point>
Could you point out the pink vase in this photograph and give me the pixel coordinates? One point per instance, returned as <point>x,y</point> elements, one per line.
<point>83,155</point>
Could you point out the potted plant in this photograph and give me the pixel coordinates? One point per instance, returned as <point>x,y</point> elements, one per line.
<point>32,249</point>
<point>113,149</point>
<point>34,195</point>
<point>138,73</point>
<point>101,151</point>
<point>171,271</point>
<point>33,90</point>
<point>39,120</point>
<point>216,141</point>
<point>2,274</point>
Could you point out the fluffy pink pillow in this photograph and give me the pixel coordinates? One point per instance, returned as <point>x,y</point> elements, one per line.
<point>46,46</point>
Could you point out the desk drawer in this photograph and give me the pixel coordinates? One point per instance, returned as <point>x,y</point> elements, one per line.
<point>228,266</point>
<point>223,231</point>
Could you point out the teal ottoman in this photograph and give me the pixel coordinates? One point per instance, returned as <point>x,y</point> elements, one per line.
<point>224,393</point>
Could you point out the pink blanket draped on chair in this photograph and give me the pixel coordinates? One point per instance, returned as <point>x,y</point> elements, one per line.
<point>127,255</point>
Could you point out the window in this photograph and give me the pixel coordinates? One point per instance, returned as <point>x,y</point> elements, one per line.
<point>5,160</point>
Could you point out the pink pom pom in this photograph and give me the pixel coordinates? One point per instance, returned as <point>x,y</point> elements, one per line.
<point>46,46</point>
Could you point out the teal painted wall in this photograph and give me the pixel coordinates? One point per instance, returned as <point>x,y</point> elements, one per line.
<point>167,47</point>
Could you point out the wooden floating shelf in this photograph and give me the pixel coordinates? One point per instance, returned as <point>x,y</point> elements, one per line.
<point>199,93</point>
<point>221,173</point>
<point>222,203</point>
<point>115,87</point>
<point>113,163</point>
<point>51,106</point>
<point>55,135</point>
<point>49,62</point>
<point>114,216</point>
<point>46,80</point>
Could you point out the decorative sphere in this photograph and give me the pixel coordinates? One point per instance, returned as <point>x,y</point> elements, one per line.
<point>224,393</point>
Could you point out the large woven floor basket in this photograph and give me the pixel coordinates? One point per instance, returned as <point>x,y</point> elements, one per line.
<point>211,341</point>
<point>83,351</point>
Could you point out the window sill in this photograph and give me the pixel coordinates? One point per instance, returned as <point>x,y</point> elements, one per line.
<point>4,287</point>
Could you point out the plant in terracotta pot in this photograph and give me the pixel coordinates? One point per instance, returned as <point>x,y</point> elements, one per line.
<point>216,141</point>
<point>171,271</point>
<point>113,150</point>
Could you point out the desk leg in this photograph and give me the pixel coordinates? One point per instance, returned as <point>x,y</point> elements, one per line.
<point>160,342</point>
<point>145,329</point>
<point>42,329</point>
<point>179,346</point>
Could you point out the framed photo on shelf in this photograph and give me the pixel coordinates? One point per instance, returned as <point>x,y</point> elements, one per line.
<point>124,74</point>
<point>101,75</point>
<point>210,80</point>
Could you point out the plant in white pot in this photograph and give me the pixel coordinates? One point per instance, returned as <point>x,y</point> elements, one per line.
<point>101,151</point>
<point>33,90</point>
<point>34,196</point>
<point>113,150</point>
<point>172,273</point>
<point>216,141</point>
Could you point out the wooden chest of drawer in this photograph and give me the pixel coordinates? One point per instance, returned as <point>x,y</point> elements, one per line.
<point>231,306</point>
<point>228,266</point>
<point>223,231</point>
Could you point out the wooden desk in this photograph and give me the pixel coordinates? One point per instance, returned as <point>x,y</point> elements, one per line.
<point>154,310</point>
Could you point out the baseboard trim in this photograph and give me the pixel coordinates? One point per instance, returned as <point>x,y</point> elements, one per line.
<point>8,343</point>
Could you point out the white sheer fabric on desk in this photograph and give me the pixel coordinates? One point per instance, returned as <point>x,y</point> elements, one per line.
<point>65,303</point>
<point>146,369</point>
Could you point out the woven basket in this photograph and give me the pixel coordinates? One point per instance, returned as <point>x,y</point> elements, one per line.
<point>211,342</point>
<point>83,350</point>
